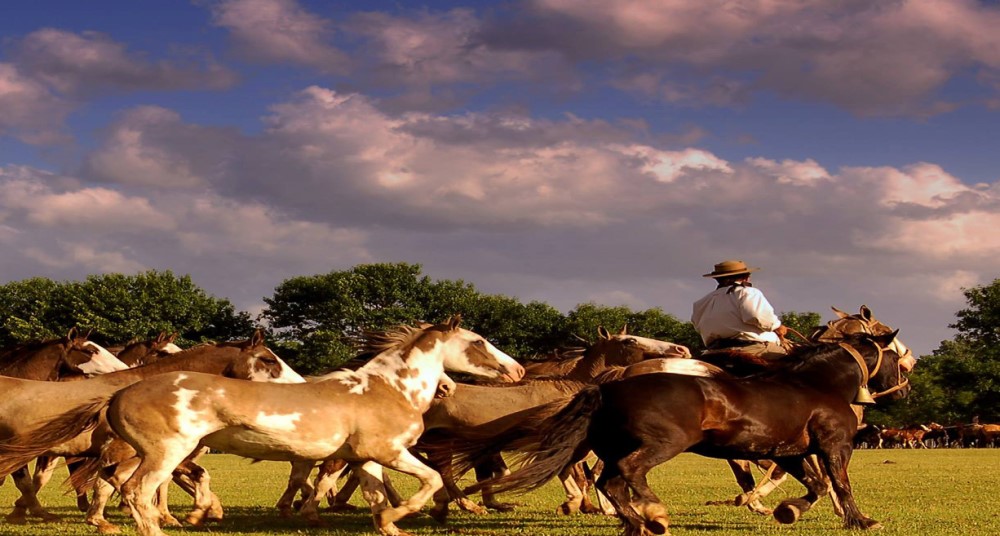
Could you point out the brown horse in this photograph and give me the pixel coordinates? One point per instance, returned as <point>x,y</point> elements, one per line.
<point>800,409</point>
<point>58,359</point>
<point>144,352</point>
<point>24,423</point>
<point>369,416</point>
<point>845,324</point>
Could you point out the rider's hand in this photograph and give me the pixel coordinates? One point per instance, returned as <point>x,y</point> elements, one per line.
<point>781,331</point>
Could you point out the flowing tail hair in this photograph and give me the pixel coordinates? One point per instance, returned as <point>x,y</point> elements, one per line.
<point>17,451</point>
<point>555,443</point>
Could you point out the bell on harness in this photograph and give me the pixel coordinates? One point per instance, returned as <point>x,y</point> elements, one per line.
<point>863,397</point>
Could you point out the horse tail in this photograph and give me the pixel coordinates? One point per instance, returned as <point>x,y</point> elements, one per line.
<point>84,475</point>
<point>555,445</point>
<point>17,451</point>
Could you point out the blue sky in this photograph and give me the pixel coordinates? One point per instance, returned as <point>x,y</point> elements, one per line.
<point>562,151</point>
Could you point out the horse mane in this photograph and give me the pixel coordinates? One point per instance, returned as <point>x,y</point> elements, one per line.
<point>376,342</point>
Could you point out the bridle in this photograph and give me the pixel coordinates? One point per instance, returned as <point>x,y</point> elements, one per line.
<point>866,374</point>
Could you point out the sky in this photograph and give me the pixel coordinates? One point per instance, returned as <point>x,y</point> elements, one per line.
<point>564,151</point>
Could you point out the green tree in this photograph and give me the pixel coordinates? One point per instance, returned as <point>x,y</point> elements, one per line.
<point>803,323</point>
<point>118,308</point>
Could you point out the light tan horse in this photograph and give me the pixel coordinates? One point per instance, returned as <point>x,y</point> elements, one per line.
<point>368,417</point>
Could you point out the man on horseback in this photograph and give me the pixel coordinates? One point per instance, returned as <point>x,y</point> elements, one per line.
<point>736,316</point>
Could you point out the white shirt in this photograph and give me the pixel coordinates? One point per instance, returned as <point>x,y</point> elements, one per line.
<point>743,314</point>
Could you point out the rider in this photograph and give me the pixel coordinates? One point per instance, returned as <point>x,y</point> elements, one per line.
<point>737,316</point>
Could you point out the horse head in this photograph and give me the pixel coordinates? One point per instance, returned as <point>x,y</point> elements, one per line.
<point>624,349</point>
<point>258,363</point>
<point>467,351</point>
<point>881,366</point>
<point>864,321</point>
<point>84,356</point>
<point>143,352</point>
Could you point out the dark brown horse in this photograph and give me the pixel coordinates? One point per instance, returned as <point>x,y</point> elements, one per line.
<point>845,324</point>
<point>23,420</point>
<point>801,409</point>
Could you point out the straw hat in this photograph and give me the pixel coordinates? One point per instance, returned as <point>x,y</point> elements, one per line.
<point>728,268</point>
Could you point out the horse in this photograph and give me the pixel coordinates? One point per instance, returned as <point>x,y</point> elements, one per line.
<point>24,422</point>
<point>58,359</point>
<point>799,409</point>
<point>368,416</point>
<point>863,321</point>
<point>143,352</point>
<point>578,364</point>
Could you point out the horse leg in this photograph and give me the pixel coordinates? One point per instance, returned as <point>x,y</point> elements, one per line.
<point>634,468</point>
<point>326,480</point>
<point>206,503</point>
<point>836,463</point>
<point>495,467</point>
<point>584,479</point>
<point>450,491</point>
<point>751,497</point>
<point>790,510</point>
<point>569,477</point>
<point>95,511</point>
<point>154,470</point>
<point>81,493</point>
<point>430,481</point>
<point>603,503</point>
<point>163,508</point>
<point>298,480</point>
<point>341,500</point>
<point>369,477</point>
<point>614,487</point>
<point>27,503</point>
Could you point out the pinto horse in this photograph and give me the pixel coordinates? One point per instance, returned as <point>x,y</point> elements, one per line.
<point>144,352</point>
<point>368,417</point>
<point>800,409</point>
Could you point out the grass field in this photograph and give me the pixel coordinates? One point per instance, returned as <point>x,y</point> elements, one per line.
<point>925,492</point>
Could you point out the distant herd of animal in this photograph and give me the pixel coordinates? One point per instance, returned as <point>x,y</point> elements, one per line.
<point>932,435</point>
<point>138,421</point>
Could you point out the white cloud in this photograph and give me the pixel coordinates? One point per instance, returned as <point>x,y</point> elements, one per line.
<point>279,31</point>
<point>28,110</point>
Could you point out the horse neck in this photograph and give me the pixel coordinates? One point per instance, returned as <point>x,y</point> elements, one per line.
<point>411,371</point>
<point>589,366</point>
<point>210,359</point>
<point>43,363</point>
<point>830,373</point>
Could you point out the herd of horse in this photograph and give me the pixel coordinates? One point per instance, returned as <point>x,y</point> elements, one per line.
<point>135,421</point>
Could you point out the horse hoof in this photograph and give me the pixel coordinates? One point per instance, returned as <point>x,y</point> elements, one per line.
<point>341,507</point>
<point>787,514</point>
<point>108,528</point>
<point>657,526</point>
<point>501,507</point>
<point>17,519</point>
<point>741,500</point>
<point>82,504</point>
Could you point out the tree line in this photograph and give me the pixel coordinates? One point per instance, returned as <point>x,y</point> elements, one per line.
<point>316,321</point>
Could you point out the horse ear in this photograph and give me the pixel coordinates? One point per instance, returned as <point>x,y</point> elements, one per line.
<point>840,313</point>
<point>886,338</point>
<point>173,336</point>
<point>71,334</point>
<point>624,330</point>
<point>161,337</point>
<point>258,337</point>
<point>603,333</point>
<point>866,313</point>
<point>454,321</point>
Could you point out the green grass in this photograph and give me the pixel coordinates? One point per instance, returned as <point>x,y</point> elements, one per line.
<point>925,492</point>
